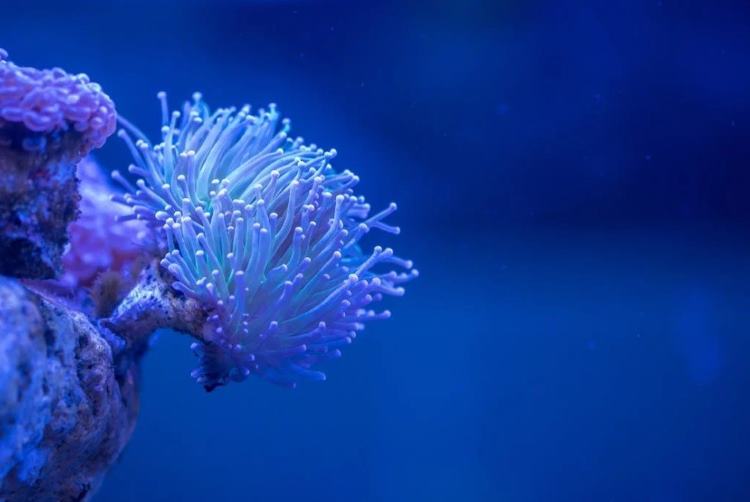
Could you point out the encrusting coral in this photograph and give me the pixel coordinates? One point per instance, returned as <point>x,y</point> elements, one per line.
<point>262,232</point>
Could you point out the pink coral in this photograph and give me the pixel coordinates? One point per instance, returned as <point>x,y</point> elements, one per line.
<point>47,101</point>
<point>98,241</point>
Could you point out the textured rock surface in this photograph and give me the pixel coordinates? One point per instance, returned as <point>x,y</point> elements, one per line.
<point>151,305</point>
<point>38,198</point>
<point>66,407</point>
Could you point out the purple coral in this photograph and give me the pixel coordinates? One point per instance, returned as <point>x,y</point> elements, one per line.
<point>48,121</point>
<point>98,241</point>
<point>53,101</point>
<point>262,232</point>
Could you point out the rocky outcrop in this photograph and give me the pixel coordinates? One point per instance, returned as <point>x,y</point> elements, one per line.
<point>67,406</point>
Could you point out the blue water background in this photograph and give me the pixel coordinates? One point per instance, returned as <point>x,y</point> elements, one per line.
<point>573,184</point>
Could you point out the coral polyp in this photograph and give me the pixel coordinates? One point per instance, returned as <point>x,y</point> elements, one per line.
<point>48,105</point>
<point>260,230</point>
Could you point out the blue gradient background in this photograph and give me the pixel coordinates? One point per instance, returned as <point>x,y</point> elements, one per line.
<point>573,181</point>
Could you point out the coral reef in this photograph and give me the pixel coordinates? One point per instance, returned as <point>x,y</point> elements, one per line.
<point>233,233</point>
<point>49,120</point>
<point>264,235</point>
<point>68,404</point>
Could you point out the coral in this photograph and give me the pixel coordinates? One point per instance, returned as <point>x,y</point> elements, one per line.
<point>68,404</point>
<point>98,241</point>
<point>52,104</point>
<point>264,235</point>
<point>48,121</point>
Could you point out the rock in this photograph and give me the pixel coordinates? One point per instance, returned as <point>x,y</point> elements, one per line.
<point>67,408</point>
<point>38,199</point>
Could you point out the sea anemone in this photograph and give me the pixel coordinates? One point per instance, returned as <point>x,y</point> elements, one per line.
<point>262,232</point>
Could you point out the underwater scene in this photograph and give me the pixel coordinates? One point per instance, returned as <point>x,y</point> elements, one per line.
<point>258,250</point>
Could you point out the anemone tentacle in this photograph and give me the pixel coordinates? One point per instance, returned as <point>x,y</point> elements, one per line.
<point>262,231</point>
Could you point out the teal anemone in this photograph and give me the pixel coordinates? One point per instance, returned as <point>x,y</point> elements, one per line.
<point>264,233</point>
